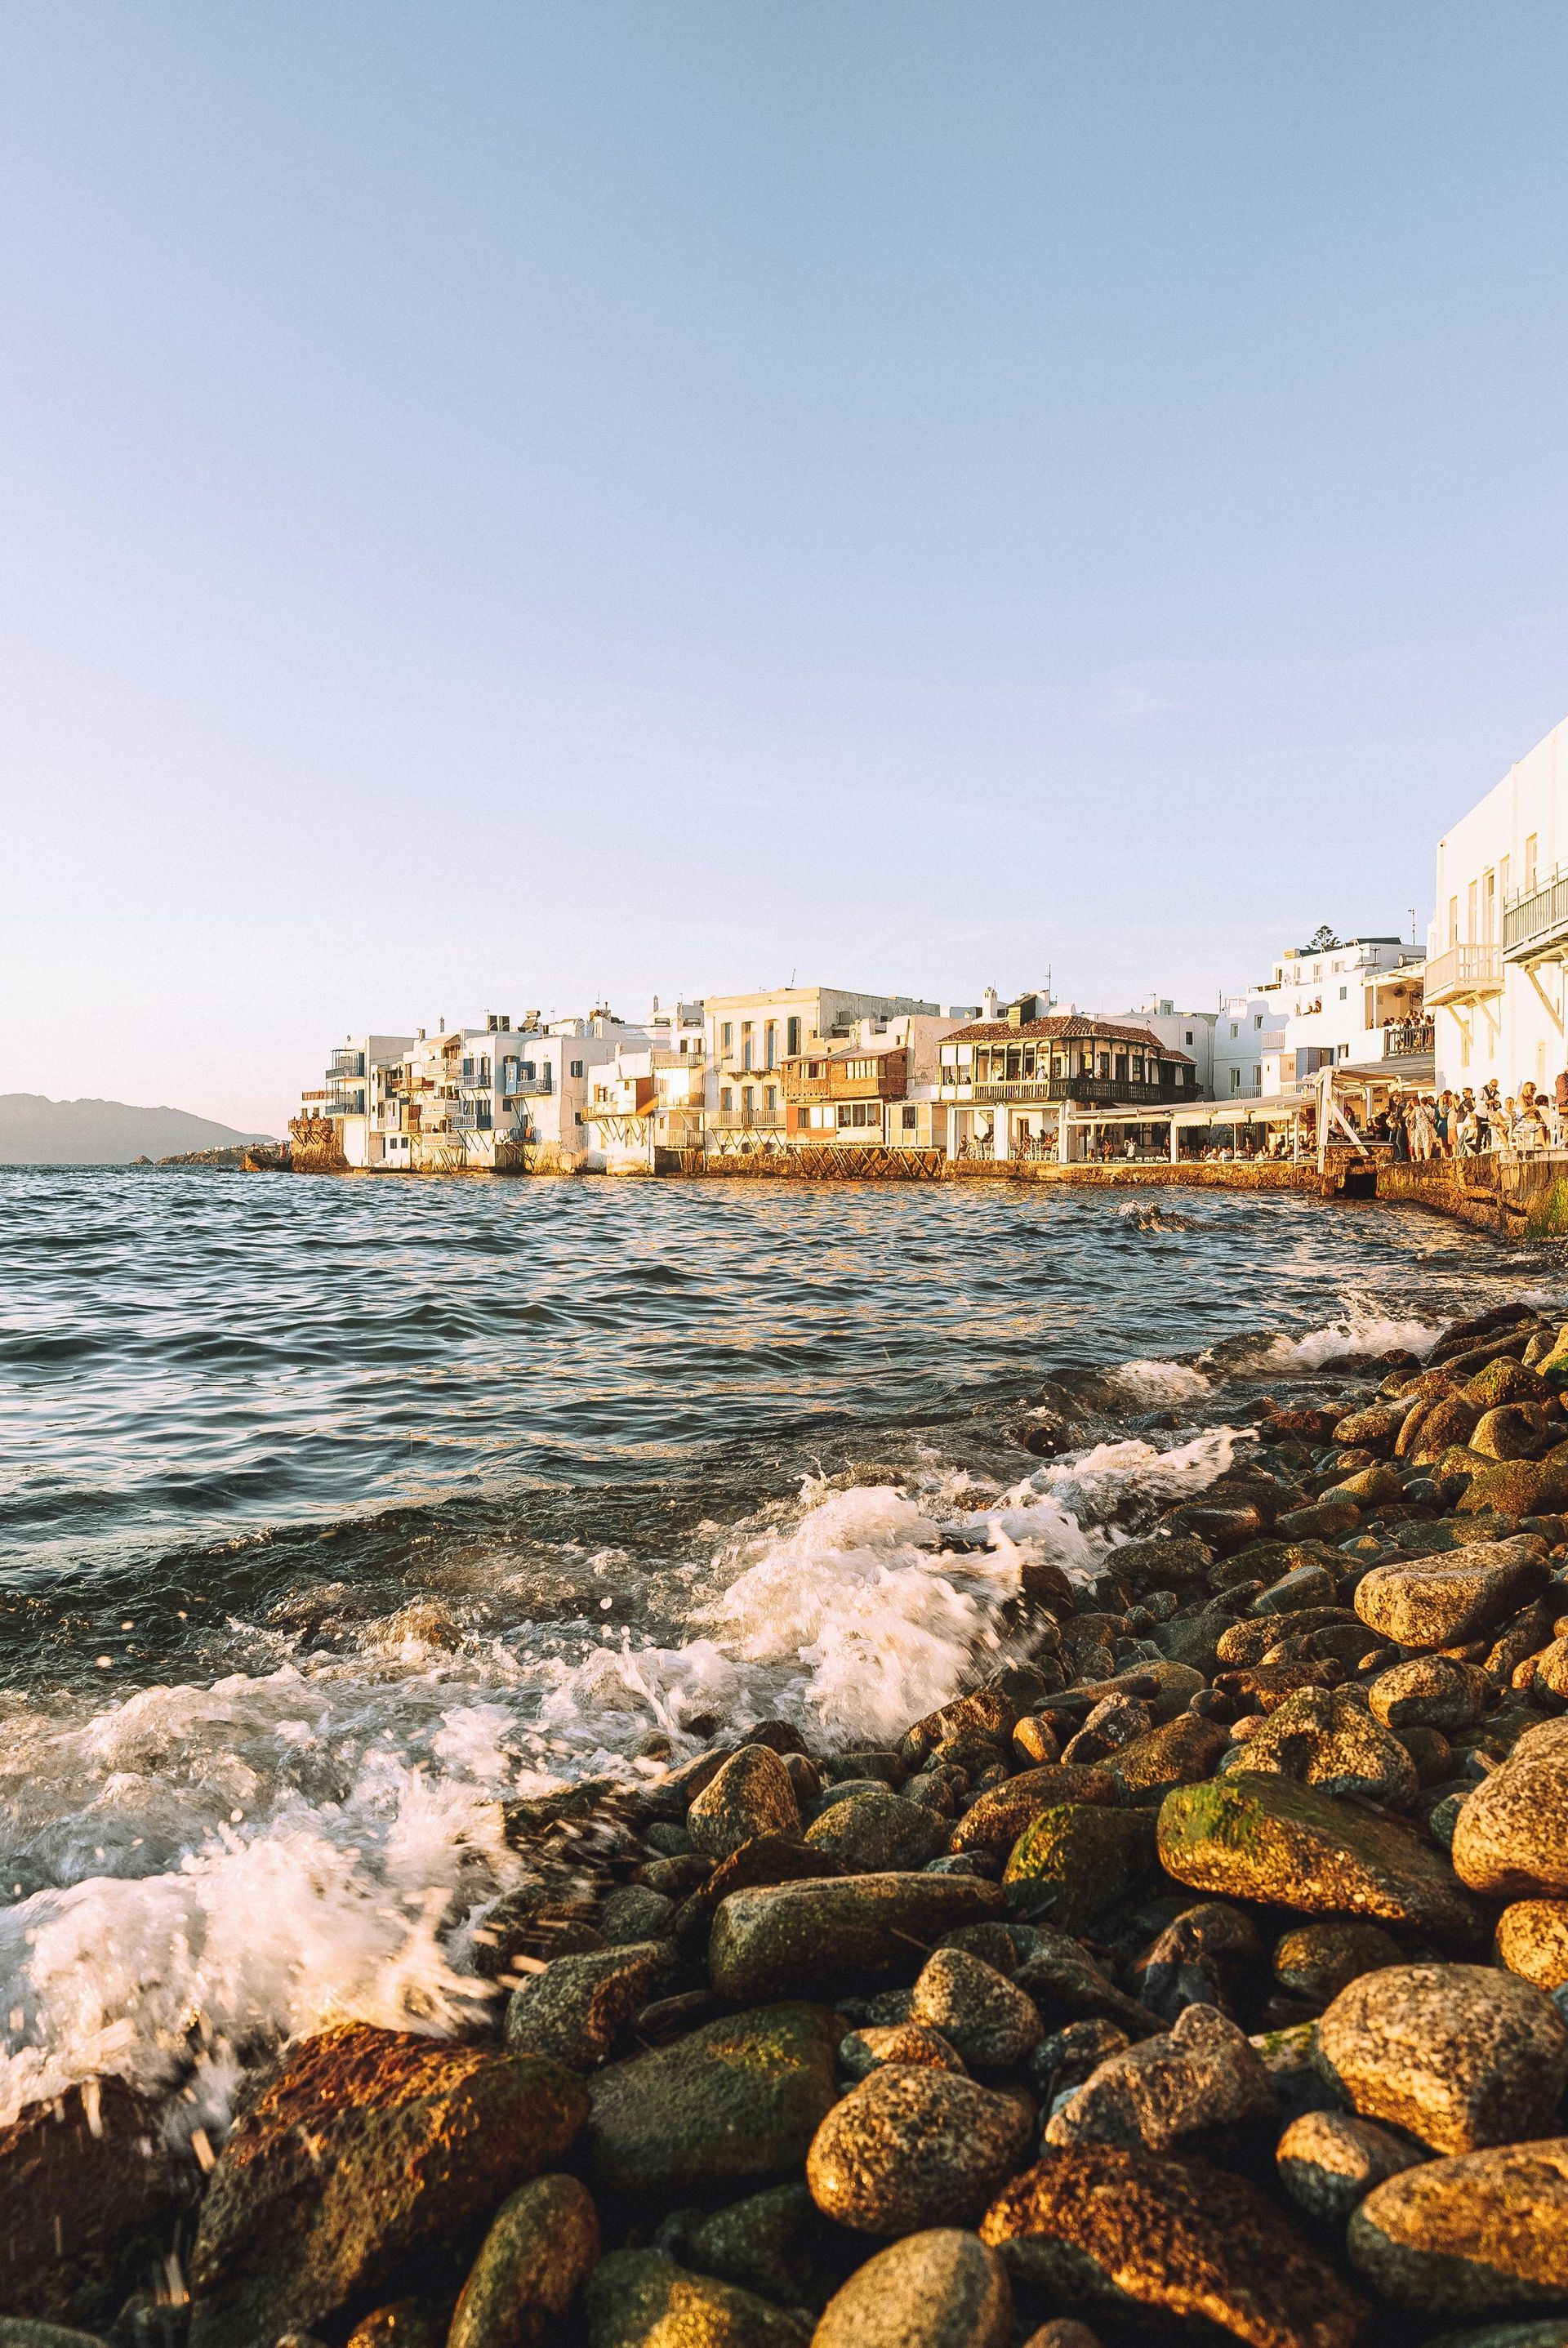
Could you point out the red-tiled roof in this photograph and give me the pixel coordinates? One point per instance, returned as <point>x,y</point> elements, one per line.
<point>1065,1027</point>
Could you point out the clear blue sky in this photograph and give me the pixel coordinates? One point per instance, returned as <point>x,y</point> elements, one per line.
<point>505,503</point>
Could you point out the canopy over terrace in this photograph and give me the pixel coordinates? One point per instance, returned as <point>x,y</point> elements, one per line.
<point>1286,1107</point>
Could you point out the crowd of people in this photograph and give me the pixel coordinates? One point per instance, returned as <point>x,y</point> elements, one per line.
<point>1421,1126</point>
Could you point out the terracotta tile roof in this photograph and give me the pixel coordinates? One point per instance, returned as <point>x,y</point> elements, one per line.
<point>1065,1027</point>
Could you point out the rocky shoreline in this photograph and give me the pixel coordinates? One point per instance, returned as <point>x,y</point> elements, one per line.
<point>1200,1975</point>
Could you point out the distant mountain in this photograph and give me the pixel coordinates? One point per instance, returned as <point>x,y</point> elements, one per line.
<point>35,1131</point>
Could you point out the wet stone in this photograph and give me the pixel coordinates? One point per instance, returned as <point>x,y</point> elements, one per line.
<point>1478,2234</point>
<point>1202,2077</point>
<point>910,2148</point>
<point>1076,1862</point>
<point>879,1833</point>
<point>634,1912</point>
<point>359,2150</point>
<point>829,1937</point>
<point>1429,1692</point>
<point>580,2010</point>
<point>1461,2056</point>
<point>991,2022</point>
<point>1206,1956</point>
<point>543,2242</point>
<point>1317,1960</point>
<point>635,2298</point>
<point>89,2196</point>
<point>1180,1752</point>
<point>1329,2161</point>
<point>751,1795</point>
<point>997,1819</point>
<point>1113,2234</point>
<point>738,2100</point>
<point>766,2243</point>
<point>941,2288</point>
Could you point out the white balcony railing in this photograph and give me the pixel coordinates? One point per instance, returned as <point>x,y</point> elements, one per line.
<point>1464,975</point>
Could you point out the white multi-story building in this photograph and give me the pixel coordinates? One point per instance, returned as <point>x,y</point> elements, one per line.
<point>1353,1004</point>
<point>750,1037</point>
<point>1496,983</point>
<point>359,1072</point>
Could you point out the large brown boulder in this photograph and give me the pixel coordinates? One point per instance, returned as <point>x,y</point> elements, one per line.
<point>1460,2056</point>
<point>1485,2233</point>
<point>1511,1838</point>
<point>88,2200</point>
<point>359,2150</point>
<point>1114,2234</point>
<point>1444,1601</point>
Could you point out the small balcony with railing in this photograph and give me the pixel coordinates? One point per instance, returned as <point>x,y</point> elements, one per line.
<point>345,1064</point>
<point>1535,923</point>
<point>1465,974</point>
<point>344,1100</point>
<point>471,1117</point>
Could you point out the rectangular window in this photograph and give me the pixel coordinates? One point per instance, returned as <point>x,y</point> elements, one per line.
<point>1235,1080</point>
<point>725,1098</point>
<point>1470,914</point>
<point>577,1067</point>
<point>1257,1077</point>
<point>1454,910</point>
<point>1504,867</point>
<point>1189,1035</point>
<point>772,1045</point>
<point>792,1037</point>
<point>911,1119</point>
<point>745,1103</point>
<point>769,1098</point>
<point>1488,908</point>
<point>1530,860</point>
<point>1344,995</point>
<point>1258,1016</point>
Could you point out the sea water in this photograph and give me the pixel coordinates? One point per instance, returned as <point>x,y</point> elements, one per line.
<point>333,1512</point>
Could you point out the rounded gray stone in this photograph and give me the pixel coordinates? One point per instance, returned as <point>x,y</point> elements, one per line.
<point>1329,2161</point>
<point>942,2289</point>
<point>991,2022</point>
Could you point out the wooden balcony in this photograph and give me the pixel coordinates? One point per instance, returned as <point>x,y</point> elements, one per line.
<point>1464,975</point>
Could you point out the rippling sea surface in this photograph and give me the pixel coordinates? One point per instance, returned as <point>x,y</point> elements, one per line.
<point>332,1512</point>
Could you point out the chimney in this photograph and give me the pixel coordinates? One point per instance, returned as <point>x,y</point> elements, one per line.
<point>988,1004</point>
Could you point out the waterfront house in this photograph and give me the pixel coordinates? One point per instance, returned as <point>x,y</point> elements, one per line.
<point>1006,1080</point>
<point>877,1086</point>
<point>750,1036</point>
<point>1495,979</point>
<point>338,1119</point>
<point>646,1099</point>
<point>1356,1005</point>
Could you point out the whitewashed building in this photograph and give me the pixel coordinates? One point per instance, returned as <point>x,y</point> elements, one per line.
<point>1495,980</point>
<point>750,1036</point>
<point>1356,1003</point>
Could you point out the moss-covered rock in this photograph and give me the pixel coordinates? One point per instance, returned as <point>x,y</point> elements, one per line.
<point>1269,1839</point>
<point>1076,1862</point>
<point>736,2101</point>
<point>1444,1601</point>
<point>824,1937</point>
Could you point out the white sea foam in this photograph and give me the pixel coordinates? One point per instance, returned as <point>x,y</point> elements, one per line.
<point>1155,1385</point>
<point>230,1864</point>
<point>1359,1332</point>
